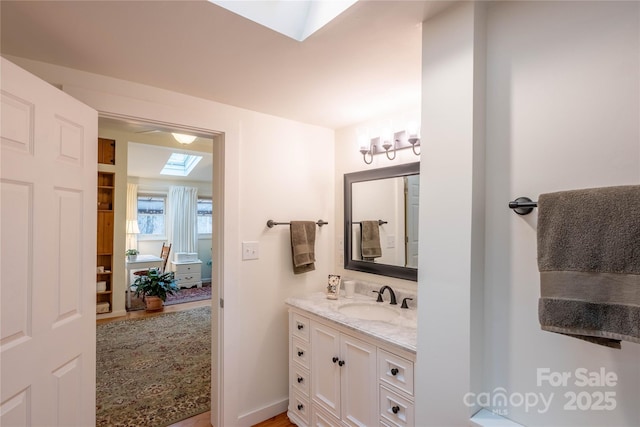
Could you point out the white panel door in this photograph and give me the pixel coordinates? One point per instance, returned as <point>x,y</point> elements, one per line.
<point>359,380</point>
<point>412,209</point>
<point>48,178</point>
<point>325,367</point>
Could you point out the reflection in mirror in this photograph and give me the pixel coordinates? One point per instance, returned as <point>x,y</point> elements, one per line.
<point>381,221</point>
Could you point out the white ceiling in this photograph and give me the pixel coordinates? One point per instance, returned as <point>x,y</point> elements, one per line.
<point>149,147</point>
<point>365,63</point>
<point>146,161</point>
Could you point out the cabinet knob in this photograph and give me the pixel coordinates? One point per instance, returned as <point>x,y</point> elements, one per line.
<point>300,326</point>
<point>300,353</point>
<point>300,379</point>
<point>394,371</point>
<point>335,359</point>
<point>300,406</point>
<point>341,363</point>
<point>395,409</point>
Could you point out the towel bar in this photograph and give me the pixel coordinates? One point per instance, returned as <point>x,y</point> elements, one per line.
<point>380,222</point>
<point>523,205</point>
<point>271,223</point>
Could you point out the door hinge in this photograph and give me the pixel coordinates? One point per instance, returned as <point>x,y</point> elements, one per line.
<point>221,303</point>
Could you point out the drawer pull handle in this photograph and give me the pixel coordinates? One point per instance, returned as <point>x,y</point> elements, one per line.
<point>300,326</point>
<point>341,363</point>
<point>300,379</point>
<point>300,353</point>
<point>335,359</point>
<point>395,409</point>
<point>394,371</point>
<point>300,406</point>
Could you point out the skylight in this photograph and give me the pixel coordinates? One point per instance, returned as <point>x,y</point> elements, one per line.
<point>295,19</point>
<point>180,164</point>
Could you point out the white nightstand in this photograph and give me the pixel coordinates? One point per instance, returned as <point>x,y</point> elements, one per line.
<point>187,273</point>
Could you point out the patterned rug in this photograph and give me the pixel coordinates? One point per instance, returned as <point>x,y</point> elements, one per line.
<point>184,295</point>
<point>155,371</point>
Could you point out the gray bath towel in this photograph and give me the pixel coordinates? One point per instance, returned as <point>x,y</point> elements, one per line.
<point>303,238</point>
<point>370,240</point>
<point>589,262</point>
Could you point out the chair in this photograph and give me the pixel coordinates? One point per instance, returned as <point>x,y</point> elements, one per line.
<point>164,254</point>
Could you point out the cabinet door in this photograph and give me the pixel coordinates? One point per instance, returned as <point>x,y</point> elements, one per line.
<point>359,382</point>
<point>325,370</point>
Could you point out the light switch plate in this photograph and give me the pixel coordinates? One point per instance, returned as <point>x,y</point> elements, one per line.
<point>250,250</point>
<point>391,242</point>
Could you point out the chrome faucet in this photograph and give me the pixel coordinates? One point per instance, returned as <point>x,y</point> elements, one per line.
<point>391,293</point>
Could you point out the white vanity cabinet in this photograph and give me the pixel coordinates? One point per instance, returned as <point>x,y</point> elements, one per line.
<point>339,377</point>
<point>343,376</point>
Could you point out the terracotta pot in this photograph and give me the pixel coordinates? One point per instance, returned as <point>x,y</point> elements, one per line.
<point>153,303</point>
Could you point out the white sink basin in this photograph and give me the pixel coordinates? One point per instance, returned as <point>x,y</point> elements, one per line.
<point>372,311</point>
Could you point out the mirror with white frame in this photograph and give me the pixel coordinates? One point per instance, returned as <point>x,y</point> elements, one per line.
<point>389,197</point>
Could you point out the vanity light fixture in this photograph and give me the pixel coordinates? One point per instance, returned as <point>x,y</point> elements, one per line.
<point>371,150</point>
<point>413,130</point>
<point>184,139</point>
<point>387,136</point>
<point>389,143</point>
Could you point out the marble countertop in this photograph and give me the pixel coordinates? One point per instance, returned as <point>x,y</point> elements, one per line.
<point>401,331</point>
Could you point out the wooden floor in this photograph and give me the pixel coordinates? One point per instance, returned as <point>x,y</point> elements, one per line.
<point>202,420</point>
<point>168,309</point>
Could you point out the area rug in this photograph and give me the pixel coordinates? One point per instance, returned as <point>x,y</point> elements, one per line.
<point>184,295</point>
<point>154,371</point>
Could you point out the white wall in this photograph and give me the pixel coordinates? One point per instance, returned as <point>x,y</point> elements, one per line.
<point>451,235</point>
<point>348,159</point>
<point>563,91</point>
<point>274,169</point>
<point>562,106</point>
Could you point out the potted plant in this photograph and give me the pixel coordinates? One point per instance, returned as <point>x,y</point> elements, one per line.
<point>154,288</point>
<point>131,254</point>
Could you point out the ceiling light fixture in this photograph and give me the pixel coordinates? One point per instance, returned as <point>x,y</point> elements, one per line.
<point>184,139</point>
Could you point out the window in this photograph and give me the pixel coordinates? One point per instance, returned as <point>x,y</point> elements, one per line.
<point>151,214</point>
<point>205,209</point>
<point>180,164</point>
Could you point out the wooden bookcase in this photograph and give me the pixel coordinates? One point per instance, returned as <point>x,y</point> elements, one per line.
<point>106,151</point>
<point>104,241</point>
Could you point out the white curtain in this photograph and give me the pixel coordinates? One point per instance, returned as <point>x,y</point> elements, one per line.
<point>132,216</point>
<point>182,219</point>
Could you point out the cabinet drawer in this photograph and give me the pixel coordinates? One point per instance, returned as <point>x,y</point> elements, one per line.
<point>188,268</point>
<point>395,371</point>
<point>187,277</point>
<point>395,410</point>
<point>300,406</point>
<point>319,418</point>
<point>300,352</point>
<point>300,326</point>
<point>300,379</point>
<point>188,280</point>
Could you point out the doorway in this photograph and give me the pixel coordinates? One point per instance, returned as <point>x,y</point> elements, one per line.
<point>158,135</point>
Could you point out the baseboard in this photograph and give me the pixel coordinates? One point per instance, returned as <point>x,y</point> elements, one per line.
<point>252,418</point>
<point>118,313</point>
